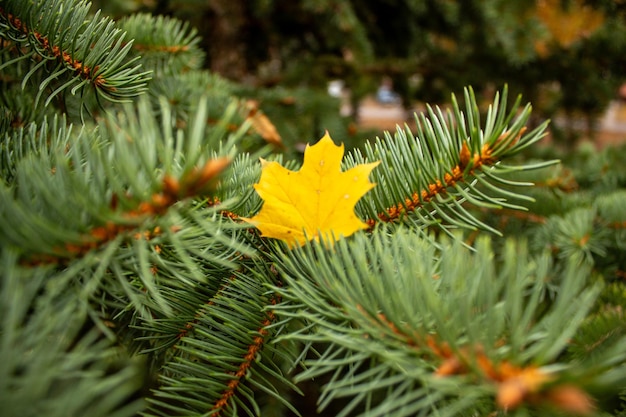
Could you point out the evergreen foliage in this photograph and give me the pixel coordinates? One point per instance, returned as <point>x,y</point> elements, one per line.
<point>490,280</point>
<point>566,57</point>
<point>75,51</point>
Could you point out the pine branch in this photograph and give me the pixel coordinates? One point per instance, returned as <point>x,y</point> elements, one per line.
<point>50,352</point>
<point>173,191</point>
<point>221,354</point>
<point>601,331</point>
<point>147,235</point>
<point>34,140</point>
<point>397,315</point>
<point>136,192</point>
<point>185,90</point>
<point>453,159</point>
<point>78,51</point>
<point>129,198</point>
<point>165,44</point>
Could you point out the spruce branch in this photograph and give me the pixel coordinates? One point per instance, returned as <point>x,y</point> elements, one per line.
<point>172,192</point>
<point>130,198</point>
<point>50,352</point>
<point>600,332</point>
<point>75,51</point>
<point>136,192</point>
<point>165,44</point>
<point>217,358</point>
<point>451,160</point>
<point>33,140</point>
<point>396,314</point>
<point>184,91</point>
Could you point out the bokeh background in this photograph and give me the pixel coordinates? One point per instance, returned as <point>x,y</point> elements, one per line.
<point>353,65</point>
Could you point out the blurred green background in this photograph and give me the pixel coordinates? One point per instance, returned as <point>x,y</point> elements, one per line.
<point>567,57</point>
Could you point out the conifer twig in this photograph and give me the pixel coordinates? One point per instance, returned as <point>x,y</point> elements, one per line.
<point>91,50</point>
<point>194,183</point>
<point>251,354</point>
<point>462,172</point>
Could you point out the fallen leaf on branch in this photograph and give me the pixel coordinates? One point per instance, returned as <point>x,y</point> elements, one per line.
<point>316,201</point>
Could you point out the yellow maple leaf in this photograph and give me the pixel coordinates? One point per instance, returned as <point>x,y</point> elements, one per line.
<point>566,25</point>
<point>316,201</point>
